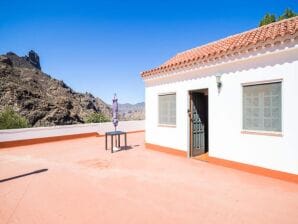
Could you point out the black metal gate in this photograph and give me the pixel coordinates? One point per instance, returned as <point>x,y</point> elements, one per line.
<point>199,123</point>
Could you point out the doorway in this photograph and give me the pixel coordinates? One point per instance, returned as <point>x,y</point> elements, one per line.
<point>198,118</point>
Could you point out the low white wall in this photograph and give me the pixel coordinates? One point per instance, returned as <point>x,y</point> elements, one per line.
<point>42,132</point>
<point>225,111</point>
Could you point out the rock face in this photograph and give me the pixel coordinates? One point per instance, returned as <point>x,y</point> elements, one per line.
<point>43,100</point>
<point>33,59</point>
<point>22,62</point>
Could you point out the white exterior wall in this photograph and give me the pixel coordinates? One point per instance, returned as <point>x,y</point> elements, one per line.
<point>225,111</point>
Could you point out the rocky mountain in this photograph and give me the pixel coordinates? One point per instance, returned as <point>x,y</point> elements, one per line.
<point>129,111</point>
<point>43,100</point>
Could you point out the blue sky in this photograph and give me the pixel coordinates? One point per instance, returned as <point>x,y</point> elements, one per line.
<point>102,46</point>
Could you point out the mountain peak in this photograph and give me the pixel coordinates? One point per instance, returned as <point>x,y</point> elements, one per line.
<point>28,61</point>
<point>33,59</point>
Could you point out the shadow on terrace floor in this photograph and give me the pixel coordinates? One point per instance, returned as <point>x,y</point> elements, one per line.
<point>24,175</point>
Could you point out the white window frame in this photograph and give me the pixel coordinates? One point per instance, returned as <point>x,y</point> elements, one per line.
<point>262,132</point>
<point>158,118</point>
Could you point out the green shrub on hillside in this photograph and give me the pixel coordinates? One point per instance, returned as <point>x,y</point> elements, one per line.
<point>96,118</point>
<point>10,119</point>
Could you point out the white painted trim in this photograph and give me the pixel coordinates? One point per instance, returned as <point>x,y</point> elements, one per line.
<point>261,82</point>
<point>258,132</point>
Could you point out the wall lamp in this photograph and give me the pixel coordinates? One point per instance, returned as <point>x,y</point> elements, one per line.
<point>218,81</point>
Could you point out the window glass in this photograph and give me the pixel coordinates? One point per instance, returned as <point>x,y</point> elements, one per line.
<point>262,107</point>
<point>167,109</point>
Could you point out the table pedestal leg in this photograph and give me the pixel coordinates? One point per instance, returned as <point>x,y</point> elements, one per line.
<point>112,143</point>
<point>119,141</point>
<point>106,138</point>
<point>125,141</point>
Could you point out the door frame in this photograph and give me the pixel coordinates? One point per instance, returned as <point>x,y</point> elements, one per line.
<point>189,111</point>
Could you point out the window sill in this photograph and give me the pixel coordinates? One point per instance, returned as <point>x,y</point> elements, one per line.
<point>266,133</point>
<point>166,125</point>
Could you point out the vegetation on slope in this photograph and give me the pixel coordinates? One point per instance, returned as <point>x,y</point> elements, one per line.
<point>9,119</point>
<point>96,118</point>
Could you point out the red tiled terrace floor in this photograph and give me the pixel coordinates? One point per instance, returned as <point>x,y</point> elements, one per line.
<point>86,184</point>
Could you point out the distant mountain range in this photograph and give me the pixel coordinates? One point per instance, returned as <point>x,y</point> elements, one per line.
<point>46,101</point>
<point>129,111</point>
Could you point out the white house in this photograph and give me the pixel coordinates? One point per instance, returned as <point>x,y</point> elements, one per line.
<point>235,98</point>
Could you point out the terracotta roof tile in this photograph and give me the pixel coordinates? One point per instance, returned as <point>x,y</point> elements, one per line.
<point>231,43</point>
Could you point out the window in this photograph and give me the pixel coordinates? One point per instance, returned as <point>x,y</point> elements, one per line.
<point>262,107</point>
<point>167,109</point>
